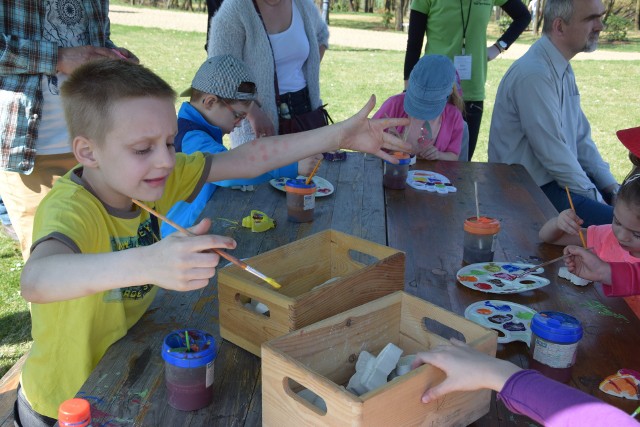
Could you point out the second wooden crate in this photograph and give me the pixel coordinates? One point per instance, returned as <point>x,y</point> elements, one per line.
<point>322,357</point>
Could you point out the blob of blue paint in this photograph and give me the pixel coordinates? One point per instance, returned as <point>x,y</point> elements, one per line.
<point>504,307</point>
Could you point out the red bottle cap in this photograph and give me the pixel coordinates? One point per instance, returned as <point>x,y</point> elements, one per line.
<point>74,412</point>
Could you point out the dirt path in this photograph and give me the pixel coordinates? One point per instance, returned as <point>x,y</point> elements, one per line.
<point>186,21</point>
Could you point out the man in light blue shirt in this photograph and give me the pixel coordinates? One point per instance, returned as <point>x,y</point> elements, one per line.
<point>537,119</point>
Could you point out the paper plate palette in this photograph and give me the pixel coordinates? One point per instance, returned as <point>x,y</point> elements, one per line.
<point>499,277</point>
<point>511,320</point>
<point>323,187</point>
<point>430,181</point>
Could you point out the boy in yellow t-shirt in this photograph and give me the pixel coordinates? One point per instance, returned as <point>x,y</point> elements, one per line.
<point>96,258</point>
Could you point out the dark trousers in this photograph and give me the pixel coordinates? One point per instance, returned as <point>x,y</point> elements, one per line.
<point>212,8</point>
<point>473,117</point>
<point>25,416</point>
<point>591,211</point>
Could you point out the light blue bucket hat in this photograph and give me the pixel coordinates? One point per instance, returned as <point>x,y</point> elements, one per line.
<point>430,84</point>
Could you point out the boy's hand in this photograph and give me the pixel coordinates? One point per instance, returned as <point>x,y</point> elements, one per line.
<point>362,134</point>
<point>70,58</point>
<point>305,166</point>
<point>569,222</point>
<point>584,263</point>
<point>260,122</point>
<point>125,54</point>
<point>185,263</point>
<point>466,369</point>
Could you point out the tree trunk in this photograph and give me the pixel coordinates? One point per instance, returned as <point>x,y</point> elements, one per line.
<point>637,17</point>
<point>399,15</point>
<point>538,24</point>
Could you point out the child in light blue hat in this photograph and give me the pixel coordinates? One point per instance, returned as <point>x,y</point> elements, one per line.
<point>434,105</point>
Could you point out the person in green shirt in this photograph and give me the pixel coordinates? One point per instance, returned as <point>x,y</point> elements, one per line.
<point>458,29</point>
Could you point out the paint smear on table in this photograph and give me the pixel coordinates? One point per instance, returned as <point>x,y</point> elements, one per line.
<point>603,310</point>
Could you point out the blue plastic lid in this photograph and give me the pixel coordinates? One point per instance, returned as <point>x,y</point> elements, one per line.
<point>400,162</point>
<point>556,327</point>
<point>299,183</point>
<point>202,348</point>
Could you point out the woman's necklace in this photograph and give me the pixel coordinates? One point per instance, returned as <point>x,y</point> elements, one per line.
<point>272,3</point>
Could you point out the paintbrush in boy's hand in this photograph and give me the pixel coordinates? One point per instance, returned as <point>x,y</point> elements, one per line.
<point>220,252</point>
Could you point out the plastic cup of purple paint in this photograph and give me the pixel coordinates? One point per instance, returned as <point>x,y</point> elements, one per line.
<point>189,356</point>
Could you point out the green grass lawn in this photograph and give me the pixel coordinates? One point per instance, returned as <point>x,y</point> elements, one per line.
<point>15,324</point>
<point>348,76</point>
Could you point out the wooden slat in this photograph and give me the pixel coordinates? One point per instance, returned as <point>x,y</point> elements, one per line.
<point>8,388</point>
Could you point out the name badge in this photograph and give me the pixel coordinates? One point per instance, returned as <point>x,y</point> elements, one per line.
<point>463,66</point>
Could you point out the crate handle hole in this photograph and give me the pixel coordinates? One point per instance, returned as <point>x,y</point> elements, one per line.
<point>304,396</point>
<point>253,305</point>
<point>500,333</point>
<point>362,258</point>
<point>446,332</point>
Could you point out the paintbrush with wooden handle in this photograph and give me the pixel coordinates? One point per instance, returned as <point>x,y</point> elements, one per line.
<point>220,252</point>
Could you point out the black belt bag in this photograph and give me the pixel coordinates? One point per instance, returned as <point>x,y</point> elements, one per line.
<point>307,121</point>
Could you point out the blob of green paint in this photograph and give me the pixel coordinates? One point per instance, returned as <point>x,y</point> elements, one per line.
<point>525,315</point>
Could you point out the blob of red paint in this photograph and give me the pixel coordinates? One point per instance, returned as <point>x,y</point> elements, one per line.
<point>483,286</point>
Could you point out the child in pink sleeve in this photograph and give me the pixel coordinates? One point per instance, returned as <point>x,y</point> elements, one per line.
<point>615,242</point>
<point>434,105</point>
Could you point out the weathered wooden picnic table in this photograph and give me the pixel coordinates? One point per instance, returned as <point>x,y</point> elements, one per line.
<point>127,387</point>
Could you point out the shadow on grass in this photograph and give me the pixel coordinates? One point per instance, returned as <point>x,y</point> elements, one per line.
<point>15,328</point>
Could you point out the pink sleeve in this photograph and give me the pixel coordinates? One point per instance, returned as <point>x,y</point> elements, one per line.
<point>625,278</point>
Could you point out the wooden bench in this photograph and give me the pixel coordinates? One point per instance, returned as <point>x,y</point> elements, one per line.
<point>8,387</point>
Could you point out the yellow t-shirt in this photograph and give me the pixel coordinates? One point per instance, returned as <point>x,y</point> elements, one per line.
<point>70,337</point>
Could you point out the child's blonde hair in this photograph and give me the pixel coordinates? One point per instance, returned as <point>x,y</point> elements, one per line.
<point>456,99</point>
<point>92,90</point>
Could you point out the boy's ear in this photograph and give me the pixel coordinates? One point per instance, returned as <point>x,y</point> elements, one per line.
<point>209,101</point>
<point>83,149</point>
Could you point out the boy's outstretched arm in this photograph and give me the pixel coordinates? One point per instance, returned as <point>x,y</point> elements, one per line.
<point>54,272</point>
<point>562,230</point>
<point>264,154</point>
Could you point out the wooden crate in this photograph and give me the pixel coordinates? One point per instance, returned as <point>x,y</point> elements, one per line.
<point>322,357</point>
<point>364,271</point>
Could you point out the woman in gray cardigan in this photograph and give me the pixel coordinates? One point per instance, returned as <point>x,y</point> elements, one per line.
<point>238,30</point>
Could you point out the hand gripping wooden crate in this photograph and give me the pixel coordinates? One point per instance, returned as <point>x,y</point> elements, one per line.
<point>359,271</point>
<point>321,358</point>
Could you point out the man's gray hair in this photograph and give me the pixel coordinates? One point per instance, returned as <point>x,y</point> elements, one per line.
<point>554,9</point>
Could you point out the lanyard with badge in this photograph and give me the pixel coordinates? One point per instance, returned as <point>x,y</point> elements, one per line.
<point>463,62</point>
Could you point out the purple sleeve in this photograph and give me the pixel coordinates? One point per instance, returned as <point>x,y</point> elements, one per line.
<point>625,278</point>
<point>551,403</point>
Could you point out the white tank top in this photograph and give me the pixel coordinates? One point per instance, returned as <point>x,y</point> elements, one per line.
<point>291,50</point>
<point>66,25</point>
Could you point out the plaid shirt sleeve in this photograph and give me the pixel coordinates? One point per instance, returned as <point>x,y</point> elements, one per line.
<point>24,58</point>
